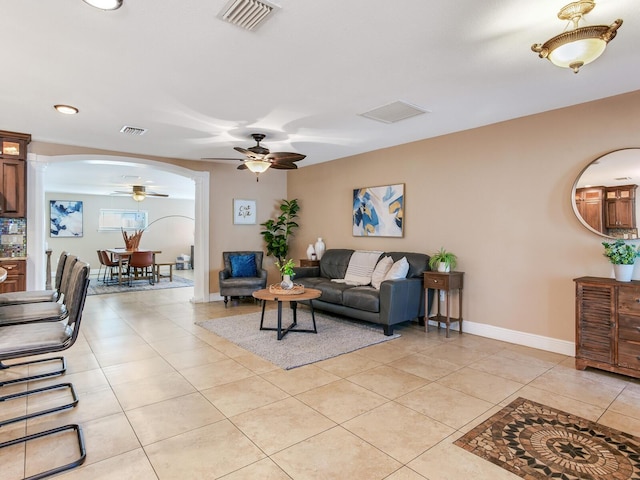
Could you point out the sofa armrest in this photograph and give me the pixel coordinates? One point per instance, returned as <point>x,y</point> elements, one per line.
<point>401,300</point>
<point>305,272</point>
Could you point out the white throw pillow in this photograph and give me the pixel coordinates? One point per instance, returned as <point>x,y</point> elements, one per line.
<point>398,270</point>
<point>380,271</point>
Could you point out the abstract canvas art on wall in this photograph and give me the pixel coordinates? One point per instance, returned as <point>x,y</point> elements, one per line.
<point>66,218</point>
<point>378,211</point>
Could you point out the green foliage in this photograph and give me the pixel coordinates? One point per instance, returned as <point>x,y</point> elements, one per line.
<point>286,268</point>
<point>620,253</point>
<point>445,257</point>
<point>277,231</point>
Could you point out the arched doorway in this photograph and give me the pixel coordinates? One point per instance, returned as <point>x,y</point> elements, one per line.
<point>37,216</point>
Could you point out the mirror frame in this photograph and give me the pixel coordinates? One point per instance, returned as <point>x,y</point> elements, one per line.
<point>575,187</point>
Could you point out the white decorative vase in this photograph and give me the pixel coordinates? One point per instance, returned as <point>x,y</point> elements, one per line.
<point>443,267</point>
<point>623,273</point>
<point>286,283</point>
<point>320,248</point>
<point>310,252</point>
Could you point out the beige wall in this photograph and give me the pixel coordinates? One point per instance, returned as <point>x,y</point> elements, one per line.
<point>497,196</point>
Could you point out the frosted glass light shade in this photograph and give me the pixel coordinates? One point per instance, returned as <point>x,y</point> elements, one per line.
<point>257,166</point>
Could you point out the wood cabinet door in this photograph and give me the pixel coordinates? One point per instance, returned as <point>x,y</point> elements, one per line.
<point>13,193</point>
<point>595,326</point>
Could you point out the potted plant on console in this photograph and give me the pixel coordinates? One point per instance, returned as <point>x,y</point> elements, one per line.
<point>623,257</point>
<point>443,261</point>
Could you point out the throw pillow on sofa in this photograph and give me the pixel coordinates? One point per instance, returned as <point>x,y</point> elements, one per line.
<point>380,272</point>
<point>243,265</point>
<point>398,270</point>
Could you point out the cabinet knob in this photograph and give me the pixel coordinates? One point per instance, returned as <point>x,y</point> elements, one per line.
<point>436,281</point>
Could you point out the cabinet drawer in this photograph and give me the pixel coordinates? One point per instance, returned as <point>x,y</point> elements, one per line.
<point>439,282</point>
<point>629,300</point>
<point>17,267</point>
<point>629,328</point>
<point>629,354</point>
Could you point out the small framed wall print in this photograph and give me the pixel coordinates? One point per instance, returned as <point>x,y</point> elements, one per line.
<point>244,212</point>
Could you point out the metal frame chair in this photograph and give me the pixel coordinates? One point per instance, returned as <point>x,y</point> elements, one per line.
<point>35,296</point>
<point>27,339</point>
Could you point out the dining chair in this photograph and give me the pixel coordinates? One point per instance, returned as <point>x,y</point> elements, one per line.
<point>141,267</point>
<point>109,264</point>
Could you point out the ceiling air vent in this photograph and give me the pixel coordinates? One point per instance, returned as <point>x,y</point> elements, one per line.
<point>247,14</point>
<point>394,112</point>
<point>133,130</point>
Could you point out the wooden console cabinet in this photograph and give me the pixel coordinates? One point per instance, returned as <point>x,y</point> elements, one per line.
<point>13,154</point>
<point>608,325</point>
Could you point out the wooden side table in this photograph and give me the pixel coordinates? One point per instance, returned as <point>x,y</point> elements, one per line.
<point>304,262</point>
<point>443,282</point>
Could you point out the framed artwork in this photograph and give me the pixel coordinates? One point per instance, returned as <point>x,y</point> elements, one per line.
<point>244,212</point>
<point>65,218</point>
<point>378,211</point>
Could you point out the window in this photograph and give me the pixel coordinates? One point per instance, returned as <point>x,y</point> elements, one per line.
<point>112,219</point>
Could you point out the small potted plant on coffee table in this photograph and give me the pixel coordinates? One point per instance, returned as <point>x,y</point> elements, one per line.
<point>443,261</point>
<point>287,272</point>
<point>623,257</point>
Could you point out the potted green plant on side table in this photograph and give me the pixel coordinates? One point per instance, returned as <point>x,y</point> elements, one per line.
<point>623,257</point>
<point>443,261</point>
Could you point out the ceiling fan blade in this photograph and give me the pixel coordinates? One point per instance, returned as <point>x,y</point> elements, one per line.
<point>283,166</point>
<point>150,194</point>
<point>242,167</point>
<point>220,158</point>
<point>284,157</point>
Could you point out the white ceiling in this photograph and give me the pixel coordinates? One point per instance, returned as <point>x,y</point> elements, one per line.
<point>201,86</point>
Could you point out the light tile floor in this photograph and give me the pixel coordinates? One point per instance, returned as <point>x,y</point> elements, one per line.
<point>161,398</point>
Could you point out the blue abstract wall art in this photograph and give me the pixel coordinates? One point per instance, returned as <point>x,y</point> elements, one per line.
<point>66,218</point>
<point>378,211</point>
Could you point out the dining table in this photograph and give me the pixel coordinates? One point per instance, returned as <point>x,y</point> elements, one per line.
<point>122,254</point>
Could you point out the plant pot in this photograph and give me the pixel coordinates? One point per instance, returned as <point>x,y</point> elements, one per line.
<point>623,273</point>
<point>286,283</point>
<point>443,267</point>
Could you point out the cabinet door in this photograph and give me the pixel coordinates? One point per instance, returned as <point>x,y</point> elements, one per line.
<point>12,195</point>
<point>595,327</point>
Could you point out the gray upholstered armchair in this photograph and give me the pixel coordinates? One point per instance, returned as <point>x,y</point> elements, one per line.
<point>242,274</point>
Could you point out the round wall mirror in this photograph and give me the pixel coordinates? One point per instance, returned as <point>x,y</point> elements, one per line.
<point>605,194</point>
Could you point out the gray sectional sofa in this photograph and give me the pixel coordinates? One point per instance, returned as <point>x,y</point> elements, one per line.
<point>395,302</point>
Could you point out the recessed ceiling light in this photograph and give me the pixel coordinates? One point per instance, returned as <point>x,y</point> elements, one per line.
<point>66,109</point>
<point>105,4</point>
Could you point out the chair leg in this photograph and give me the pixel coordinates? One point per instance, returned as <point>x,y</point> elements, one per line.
<point>226,299</point>
<point>39,413</point>
<point>76,463</point>
<point>55,373</point>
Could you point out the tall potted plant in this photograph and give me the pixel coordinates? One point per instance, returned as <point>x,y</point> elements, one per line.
<point>277,231</point>
<point>623,257</point>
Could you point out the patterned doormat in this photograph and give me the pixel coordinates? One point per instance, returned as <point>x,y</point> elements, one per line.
<point>535,442</point>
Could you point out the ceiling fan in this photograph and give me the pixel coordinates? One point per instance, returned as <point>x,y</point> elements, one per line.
<point>139,193</point>
<point>259,159</point>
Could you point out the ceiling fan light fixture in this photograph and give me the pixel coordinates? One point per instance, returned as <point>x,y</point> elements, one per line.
<point>138,196</point>
<point>105,4</point>
<point>581,45</point>
<point>257,166</point>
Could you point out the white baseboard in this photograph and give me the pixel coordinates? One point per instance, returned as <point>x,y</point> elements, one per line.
<point>554,345</point>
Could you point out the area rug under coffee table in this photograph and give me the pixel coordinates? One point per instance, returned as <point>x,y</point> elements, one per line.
<point>335,336</point>
<point>535,442</point>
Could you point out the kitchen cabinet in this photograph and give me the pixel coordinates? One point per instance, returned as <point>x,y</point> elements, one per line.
<point>13,155</point>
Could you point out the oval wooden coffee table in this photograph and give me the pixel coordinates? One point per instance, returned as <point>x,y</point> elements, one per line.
<point>266,296</point>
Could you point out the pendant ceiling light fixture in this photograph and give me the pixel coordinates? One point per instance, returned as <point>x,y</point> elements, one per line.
<point>105,4</point>
<point>580,45</point>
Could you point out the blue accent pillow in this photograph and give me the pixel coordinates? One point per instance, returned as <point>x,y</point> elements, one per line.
<point>243,265</point>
